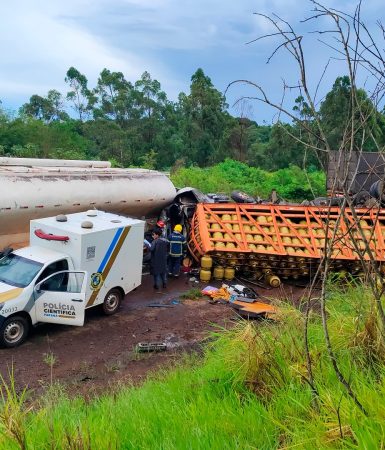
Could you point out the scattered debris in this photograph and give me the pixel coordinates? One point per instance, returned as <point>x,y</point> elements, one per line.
<point>142,347</point>
<point>86,378</point>
<point>169,304</point>
<point>160,305</point>
<point>243,292</point>
<point>256,309</point>
<point>236,297</point>
<point>208,290</point>
<point>172,341</point>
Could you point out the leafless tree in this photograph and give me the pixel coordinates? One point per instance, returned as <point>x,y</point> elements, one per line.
<point>360,48</point>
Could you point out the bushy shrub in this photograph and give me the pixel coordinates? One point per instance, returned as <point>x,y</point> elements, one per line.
<point>291,183</point>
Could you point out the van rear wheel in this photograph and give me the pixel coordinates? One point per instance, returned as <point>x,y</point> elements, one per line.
<point>112,301</point>
<point>14,331</point>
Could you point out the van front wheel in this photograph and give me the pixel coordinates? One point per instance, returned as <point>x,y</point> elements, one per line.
<point>14,331</point>
<point>112,301</point>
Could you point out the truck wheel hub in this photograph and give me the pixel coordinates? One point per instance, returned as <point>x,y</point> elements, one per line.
<point>112,301</point>
<point>13,332</point>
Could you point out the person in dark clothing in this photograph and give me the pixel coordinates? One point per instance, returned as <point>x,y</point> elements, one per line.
<point>159,252</point>
<point>146,251</point>
<point>148,238</point>
<point>149,235</point>
<point>175,214</point>
<point>177,248</point>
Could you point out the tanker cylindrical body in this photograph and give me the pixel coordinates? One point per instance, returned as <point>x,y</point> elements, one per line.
<point>34,192</point>
<point>38,162</point>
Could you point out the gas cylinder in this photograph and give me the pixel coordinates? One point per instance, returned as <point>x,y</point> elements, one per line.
<point>229,273</point>
<point>219,272</point>
<point>205,275</point>
<point>206,262</point>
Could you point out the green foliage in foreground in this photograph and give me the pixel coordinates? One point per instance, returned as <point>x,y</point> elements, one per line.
<point>291,183</point>
<point>249,391</point>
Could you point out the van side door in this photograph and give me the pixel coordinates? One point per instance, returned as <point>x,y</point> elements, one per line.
<point>61,298</point>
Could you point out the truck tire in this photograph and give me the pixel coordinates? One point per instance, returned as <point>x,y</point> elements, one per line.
<point>112,301</point>
<point>14,331</point>
<point>361,198</point>
<point>327,201</point>
<point>377,191</point>
<point>320,201</point>
<point>242,197</point>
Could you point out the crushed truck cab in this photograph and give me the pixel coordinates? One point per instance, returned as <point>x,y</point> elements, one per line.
<point>74,262</point>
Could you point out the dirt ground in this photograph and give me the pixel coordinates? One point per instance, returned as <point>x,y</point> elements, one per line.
<point>101,354</point>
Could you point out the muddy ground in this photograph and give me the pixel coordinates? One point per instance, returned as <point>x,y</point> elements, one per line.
<point>101,354</point>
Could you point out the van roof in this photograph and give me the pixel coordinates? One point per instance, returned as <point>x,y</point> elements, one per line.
<point>101,221</point>
<point>39,254</point>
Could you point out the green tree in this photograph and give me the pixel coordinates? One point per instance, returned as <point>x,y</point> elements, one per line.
<point>56,106</point>
<point>343,113</point>
<point>82,99</point>
<point>36,107</point>
<point>115,97</point>
<point>48,108</point>
<point>204,119</point>
<point>239,131</point>
<point>259,137</point>
<point>151,104</point>
<point>110,141</point>
<point>149,160</point>
<point>151,98</point>
<point>282,149</point>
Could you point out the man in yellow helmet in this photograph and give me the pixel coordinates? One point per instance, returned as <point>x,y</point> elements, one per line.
<point>177,248</point>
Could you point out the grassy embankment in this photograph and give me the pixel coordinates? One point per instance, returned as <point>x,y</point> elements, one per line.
<point>291,183</point>
<point>249,391</point>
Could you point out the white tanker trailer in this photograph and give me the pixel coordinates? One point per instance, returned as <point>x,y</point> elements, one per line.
<point>37,188</point>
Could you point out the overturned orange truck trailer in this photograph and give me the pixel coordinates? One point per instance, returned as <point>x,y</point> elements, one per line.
<point>288,241</point>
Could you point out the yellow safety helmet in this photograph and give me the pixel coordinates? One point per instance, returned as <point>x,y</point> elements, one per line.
<point>178,228</point>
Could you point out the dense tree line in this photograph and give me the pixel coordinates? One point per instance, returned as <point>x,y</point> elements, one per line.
<point>135,124</point>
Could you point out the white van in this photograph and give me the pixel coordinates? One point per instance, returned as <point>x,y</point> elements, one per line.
<point>73,262</point>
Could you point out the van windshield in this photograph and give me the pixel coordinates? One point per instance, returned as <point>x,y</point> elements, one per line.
<point>18,271</point>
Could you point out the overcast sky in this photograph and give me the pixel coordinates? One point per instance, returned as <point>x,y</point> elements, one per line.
<point>41,39</point>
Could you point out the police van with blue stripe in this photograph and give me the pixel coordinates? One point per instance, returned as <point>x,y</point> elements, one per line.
<point>74,262</point>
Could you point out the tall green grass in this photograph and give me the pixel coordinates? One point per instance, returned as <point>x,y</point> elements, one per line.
<point>250,390</point>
